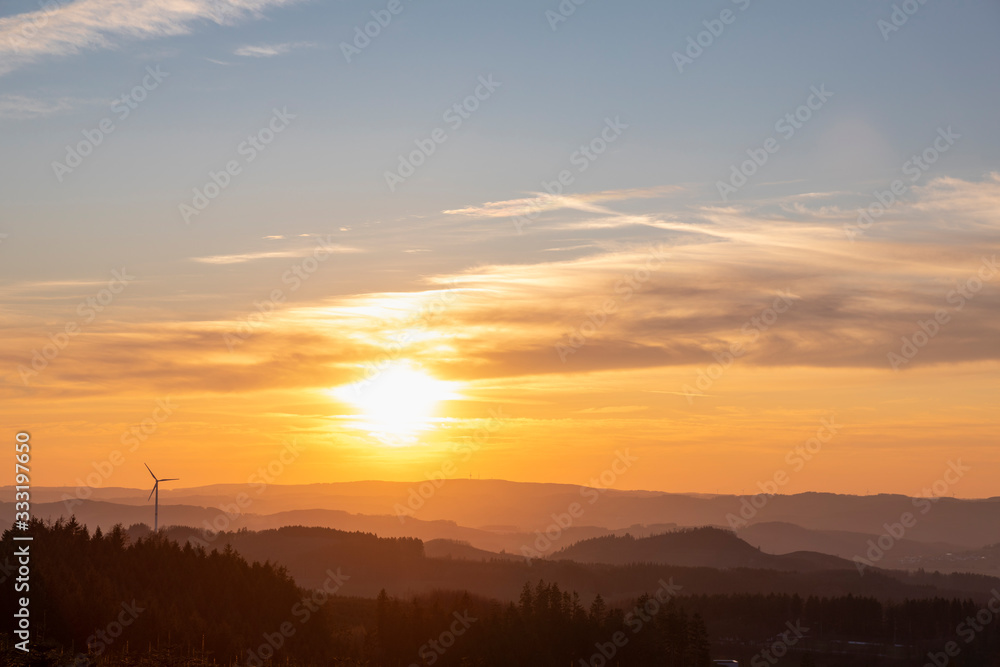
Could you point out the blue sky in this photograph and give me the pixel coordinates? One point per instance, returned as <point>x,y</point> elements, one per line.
<point>557,89</point>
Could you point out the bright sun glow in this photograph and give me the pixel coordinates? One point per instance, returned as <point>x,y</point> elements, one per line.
<point>397,402</point>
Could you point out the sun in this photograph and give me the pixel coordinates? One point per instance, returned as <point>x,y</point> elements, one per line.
<point>397,401</point>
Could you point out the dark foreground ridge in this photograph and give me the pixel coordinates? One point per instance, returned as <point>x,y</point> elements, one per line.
<point>106,599</point>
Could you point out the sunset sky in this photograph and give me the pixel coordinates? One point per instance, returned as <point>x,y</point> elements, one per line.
<point>479,312</point>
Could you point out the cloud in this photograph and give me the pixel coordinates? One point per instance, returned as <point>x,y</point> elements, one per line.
<point>269,50</point>
<point>547,202</point>
<point>21,107</point>
<point>973,202</point>
<point>722,266</point>
<point>241,258</point>
<point>853,302</point>
<point>71,28</point>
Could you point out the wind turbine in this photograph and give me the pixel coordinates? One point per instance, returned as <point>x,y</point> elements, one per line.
<point>156,490</point>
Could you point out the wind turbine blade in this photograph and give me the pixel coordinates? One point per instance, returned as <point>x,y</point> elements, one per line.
<point>150,471</point>
<point>151,492</point>
<point>172,479</point>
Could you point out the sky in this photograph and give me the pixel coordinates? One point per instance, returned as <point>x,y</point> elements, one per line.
<point>737,239</point>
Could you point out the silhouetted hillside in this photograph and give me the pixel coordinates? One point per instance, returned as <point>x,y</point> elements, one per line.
<point>94,514</point>
<point>402,567</point>
<point>302,549</point>
<point>529,507</point>
<point>83,586</point>
<point>778,537</point>
<point>154,602</point>
<point>461,551</point>
<point>693,547</point>
<point>183,606</point>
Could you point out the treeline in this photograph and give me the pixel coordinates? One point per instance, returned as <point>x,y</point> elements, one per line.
<point>107,599</point>
<point>104,599</point>
<point>546,627</point>
<point>100,596</point>
<point>299,548</point>
<point>904,629</point>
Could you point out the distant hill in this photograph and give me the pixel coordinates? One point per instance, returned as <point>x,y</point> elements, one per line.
<point>104,515</point>
<point>779,537</point>
<point>461,551</point>
<point>403,566</point>
<point>705,547</point>
<point>529,507</point>
<point>186,605</point>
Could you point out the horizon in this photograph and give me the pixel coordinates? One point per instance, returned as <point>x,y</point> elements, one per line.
<point>414,482</point>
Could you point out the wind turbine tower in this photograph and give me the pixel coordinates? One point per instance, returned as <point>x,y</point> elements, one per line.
<point>156,490</point>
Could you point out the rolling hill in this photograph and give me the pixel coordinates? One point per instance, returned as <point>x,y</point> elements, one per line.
<point>696,547</point>
<point>529,507</point>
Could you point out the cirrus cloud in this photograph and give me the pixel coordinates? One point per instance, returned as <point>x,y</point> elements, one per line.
<point>88,25</point>
<point>270,50</point>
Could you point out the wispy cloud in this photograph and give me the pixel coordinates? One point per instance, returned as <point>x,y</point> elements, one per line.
<point>270,50</point>
<point>721,266</point>
<point>84,25</point>
<point>546,202</point>
<point>240,258</point>
<point>21,107</point>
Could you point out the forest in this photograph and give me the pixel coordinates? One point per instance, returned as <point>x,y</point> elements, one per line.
<point>108,599</point>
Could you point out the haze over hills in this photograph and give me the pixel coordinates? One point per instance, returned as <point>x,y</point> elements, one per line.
<point>779,537</point>
<point>950,535</point>
<point>358,588</point>
<point>403,566</point>
<point>782,537</point>
<point>695,547</point>
<point>527,507</point>
<point>106,514</point>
